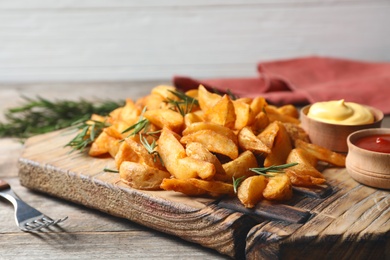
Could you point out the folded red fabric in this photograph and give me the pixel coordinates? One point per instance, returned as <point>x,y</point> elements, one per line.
<point>308,80</point>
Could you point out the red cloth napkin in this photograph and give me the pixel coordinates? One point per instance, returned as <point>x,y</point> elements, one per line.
<point>308,80</point>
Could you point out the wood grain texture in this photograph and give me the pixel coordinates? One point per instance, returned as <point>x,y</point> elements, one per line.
<point>119,40</point>
<point>351,217</point>
<point>48,167</point>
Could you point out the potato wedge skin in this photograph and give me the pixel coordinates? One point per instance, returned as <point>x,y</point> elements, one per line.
<point>278,188</point>
<point>250,191</point>
<point>140,176</point>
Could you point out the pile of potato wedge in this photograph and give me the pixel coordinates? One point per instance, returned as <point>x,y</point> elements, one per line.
<point>203,143</point>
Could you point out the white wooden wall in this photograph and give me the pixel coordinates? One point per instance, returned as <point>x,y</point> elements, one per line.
<point>119,40</point>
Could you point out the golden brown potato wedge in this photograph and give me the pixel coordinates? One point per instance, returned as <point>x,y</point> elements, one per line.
<point>190,167</point>
<point>140,176</point>
<point>165,92</point>
<point>244,114</point>
<point>207,99</point>
<point>182,185</point>
<point>322,153</point>
<point>250,191</point>
<point>296,132</point>
<point>289,110</point>
<point>278,188</point>
<point>275,115</point>
<point>247,140</point>
<point>199,151</point>
<point>240,166</point>
<point>258,105</point>
<point>222,113</point>
<point>280,149</point>
<point>195,127</point>
<point>213,141</point>
<point>165,118</point>
<point>192,118</point>
<point>215,188</point>
<point>304,173</point>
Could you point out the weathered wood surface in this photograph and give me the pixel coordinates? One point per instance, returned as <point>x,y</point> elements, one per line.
<point>350,217</point>
<point>88,233</point>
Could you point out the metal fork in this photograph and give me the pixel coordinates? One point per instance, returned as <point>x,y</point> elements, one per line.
<point>27,218</point>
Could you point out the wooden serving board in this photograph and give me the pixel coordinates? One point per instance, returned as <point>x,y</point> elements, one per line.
<point>343,220</point>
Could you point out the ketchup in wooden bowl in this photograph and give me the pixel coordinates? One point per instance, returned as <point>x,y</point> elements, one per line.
<point>368,158</point>
<point>377,143</point>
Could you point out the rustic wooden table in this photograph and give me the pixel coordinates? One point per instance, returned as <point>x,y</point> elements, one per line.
<point>88,234</point>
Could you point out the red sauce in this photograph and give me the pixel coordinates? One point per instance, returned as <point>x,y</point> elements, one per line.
<point>376,143</point>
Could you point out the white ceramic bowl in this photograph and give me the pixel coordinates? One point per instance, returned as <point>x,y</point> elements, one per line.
<point>365,166</point>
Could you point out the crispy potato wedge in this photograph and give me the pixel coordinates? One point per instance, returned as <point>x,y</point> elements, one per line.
<point>165,92</point>
<point>289,110</point>
<point>278,188</point>
<point>170,150</point>
<point>213,141</point>
<point>182,185</point>
<point>222,113</point>
<point>192,118</point>
<point>240,166</point>
<point>298,177</point>
<point>140,176</point>
<point>244,114</point>
<point>247,140</point>
<point>296,132</point>
<point>214,188</point>
<point>103,144</point>
<point>250,191</point>
<point>269,134</point>
<point>195,127</point>
<point>304,173</point>
<point>275,115</point>
<point>199,151</point>
<point>280,149</point>
<point>207,99</point>
<point>190,167</point>
<point>152,101</point>
<point>322,153</point>
<point>258,105</point>
<point>165,118</point>
<point>260,123</point>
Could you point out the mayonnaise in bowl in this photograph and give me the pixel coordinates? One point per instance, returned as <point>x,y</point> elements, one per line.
<point>341,113</point>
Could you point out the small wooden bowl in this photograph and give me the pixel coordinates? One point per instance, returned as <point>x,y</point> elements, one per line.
<point>365,166</point>
<point>333,136</point>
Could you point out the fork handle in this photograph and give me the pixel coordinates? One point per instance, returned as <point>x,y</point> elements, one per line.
<point>4,185</point>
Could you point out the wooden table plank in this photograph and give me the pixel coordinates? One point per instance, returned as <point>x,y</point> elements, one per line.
<point>117,237</point>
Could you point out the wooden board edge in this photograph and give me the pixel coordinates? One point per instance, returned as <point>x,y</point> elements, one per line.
<point>213,227</point>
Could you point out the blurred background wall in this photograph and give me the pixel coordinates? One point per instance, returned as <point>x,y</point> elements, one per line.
<point>119,40</point>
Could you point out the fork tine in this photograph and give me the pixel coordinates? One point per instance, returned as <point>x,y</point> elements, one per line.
<point>28,218</point>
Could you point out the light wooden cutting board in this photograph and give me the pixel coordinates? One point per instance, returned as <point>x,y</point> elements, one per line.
<point>344,220</point>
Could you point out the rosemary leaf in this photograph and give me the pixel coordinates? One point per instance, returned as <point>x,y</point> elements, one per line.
<point>39,115</point>
<point>273,169</point>
<point>185,103</point>
<point>237,182</point>
<point>87,134</point>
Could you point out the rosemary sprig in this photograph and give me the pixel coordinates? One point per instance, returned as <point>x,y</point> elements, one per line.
<point>237,182</point>
<point>141,125</point>
<point>39,115</point>
<point>273,169</point>
<point>151,148</point>
<point>110,170</point>
<point>88,132</point>
<point>228,92</point>
<point>185,103</point>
